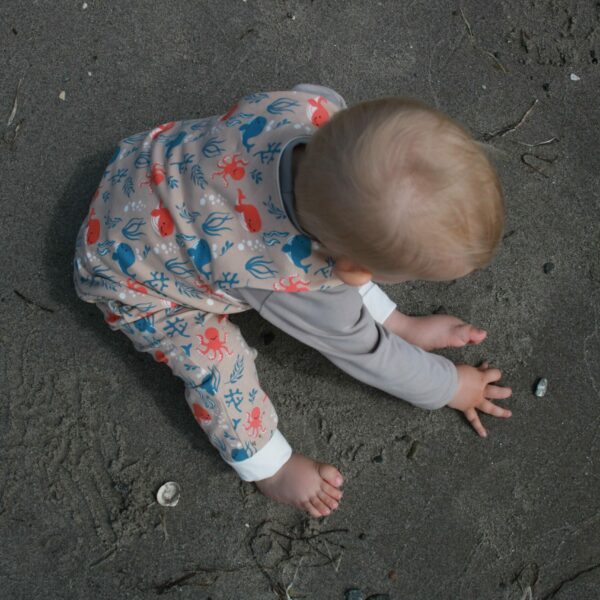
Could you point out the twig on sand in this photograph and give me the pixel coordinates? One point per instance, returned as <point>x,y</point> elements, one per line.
<point>512,127</point>
<point>287,589</point>
<point>525,160</point>
<point>544,143</point>
<point>183,579</point>
<point>15,103</point>
<point>474,42</point>
<point>28,301</point>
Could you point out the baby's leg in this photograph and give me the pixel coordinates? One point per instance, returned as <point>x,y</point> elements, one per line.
<point>209,354</point>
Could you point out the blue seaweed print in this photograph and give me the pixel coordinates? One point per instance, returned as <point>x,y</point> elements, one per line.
<point>173,142</point>
<point>282,105</point>
<point>275,210</point>
<point>267,156</point>
<point>255,98</point>
<point>328,269</point>
<point>274,237</point>
<point>228,281</point>
<point>128,187</point>
<point>215,223</point>
<point>211,149</point>
<point>197,176</point>
<point>179,268</point>
<point>236,119</point>
<point>182,165</point>
<point>132,231</point>
<point>238,370</point>
<point>258,267</point>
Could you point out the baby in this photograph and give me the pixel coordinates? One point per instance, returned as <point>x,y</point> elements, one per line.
<point>291,203</point>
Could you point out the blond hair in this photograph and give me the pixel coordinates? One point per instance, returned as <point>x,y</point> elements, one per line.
<point>399,187</point>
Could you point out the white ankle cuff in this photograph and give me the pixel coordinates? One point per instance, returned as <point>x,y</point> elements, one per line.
<point>266,462</point>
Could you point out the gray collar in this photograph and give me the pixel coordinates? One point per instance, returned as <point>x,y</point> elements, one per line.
<point>286,182</point>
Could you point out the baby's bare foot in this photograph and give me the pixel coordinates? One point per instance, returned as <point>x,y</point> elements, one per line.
<point>306,484</point>
<point>440,331</point>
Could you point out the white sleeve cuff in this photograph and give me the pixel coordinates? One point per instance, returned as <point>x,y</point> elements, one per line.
<point>377,301</point>
<point>320,90</point>
<point>266,462</point>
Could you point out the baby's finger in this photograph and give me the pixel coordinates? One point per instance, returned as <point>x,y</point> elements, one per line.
<point>472,417</point>
<point>496,392</point>
<point>492,375</point>
<point>483,366</point>
<point>492,409</point>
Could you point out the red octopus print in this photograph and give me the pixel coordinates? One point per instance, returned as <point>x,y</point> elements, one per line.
<point>229,113</point>
<point>162,221</point>
<point>251,217</point>
<point>213,346</point>
<point>160,357</point>
<point>136,287</point>
<point>253,423</point>
<point>201,414</point>
<point>93,229</point>
<point>161,129</point>
<point>230,169</point>
<point>291,285</point>
<point>319,115</point>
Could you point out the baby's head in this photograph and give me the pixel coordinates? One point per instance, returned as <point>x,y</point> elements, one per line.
<point>396,190</point>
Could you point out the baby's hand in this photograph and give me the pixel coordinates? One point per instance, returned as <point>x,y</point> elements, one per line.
<point>474,389</point>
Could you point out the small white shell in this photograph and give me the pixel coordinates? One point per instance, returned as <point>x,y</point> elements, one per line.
<point>541,387</point>
<point>168,494</point>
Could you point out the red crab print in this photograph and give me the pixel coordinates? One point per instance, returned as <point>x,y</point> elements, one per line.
<point>201,414</point>
<point>161,357</point>
<point>93,229</point>
<point>230,169</point>
<point>112,318</point>
<point>136,287</point>
<point>320,116</point>
<point>291,286</point>
<point>252,221</point>
<point>253,423</point>
<point>161,129</point>
<point>213,345</point>
<point>162,221</point>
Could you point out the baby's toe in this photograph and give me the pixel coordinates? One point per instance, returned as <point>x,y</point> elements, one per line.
<point>330,474</point>
<point>334,492</point>
<point>309,508</point>
<point>328,500</point>
<point>320,506</point>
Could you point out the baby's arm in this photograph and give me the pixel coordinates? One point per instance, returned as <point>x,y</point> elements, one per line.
<point>336,323</point>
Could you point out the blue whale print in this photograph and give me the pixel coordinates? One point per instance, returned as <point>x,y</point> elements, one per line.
<point>298,248</point>
<point>125,256</point>
<point>252,129</point>
<point>201,256</point>
<point>144,324</point>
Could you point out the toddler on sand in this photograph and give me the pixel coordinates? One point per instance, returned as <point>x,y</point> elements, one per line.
<point>293,204</point>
